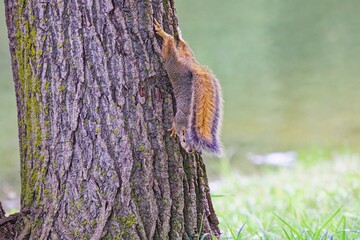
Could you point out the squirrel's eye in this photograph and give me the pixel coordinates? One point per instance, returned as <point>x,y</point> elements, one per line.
<point>183,140</point>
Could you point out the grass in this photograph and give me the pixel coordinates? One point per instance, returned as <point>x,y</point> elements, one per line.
<point>317,200</point>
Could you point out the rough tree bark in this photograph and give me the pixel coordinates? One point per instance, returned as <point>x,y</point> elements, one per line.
<point>94,105</point>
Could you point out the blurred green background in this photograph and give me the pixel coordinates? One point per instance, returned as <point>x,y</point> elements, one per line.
<point>289,71</point>
<point>9,145</point>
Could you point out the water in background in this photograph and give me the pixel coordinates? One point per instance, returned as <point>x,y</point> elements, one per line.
<point>289,72</point>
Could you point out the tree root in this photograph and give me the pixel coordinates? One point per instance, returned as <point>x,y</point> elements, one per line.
<point>7,224</point>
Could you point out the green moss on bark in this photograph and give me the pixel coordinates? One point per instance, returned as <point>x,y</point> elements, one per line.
<point>26,56</point>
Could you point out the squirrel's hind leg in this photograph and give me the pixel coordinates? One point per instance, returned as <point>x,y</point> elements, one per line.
<point>183,48</point>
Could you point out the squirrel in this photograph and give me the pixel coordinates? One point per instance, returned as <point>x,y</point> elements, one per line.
<point>197,94</point>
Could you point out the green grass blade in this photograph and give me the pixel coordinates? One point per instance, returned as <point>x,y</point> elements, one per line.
<point>325,236</point>
<point>203,236</point>
<point>219,195</point>
<point>230,229</point>
<point>318,232</point>
<point>201,224</point>
<point>342,227</point>
<point>308,228</point>
<point>291,228</point>
<point>240,230</point>
<point>286,233</point>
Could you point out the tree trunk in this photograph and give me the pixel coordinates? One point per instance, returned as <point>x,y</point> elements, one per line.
<point>94,105</point>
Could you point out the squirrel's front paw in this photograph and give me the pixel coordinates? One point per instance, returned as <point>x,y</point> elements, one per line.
<point>172,131</point>
<point>157,27</point>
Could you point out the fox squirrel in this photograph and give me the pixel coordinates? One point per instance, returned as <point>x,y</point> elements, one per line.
<point>197,94</point>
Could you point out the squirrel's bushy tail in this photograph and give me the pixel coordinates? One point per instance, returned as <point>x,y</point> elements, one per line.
<point>205,118</point>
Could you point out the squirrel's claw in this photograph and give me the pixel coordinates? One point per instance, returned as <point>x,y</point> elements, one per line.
<point>172,131</point>
<point>157,25</point>
<point>158,28</point>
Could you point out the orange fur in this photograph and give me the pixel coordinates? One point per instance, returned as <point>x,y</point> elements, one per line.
<point>168,43</point>
<point>204,93</point>
<point>197,94</point>
<point>205,101</point>
<point>184,49</point>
